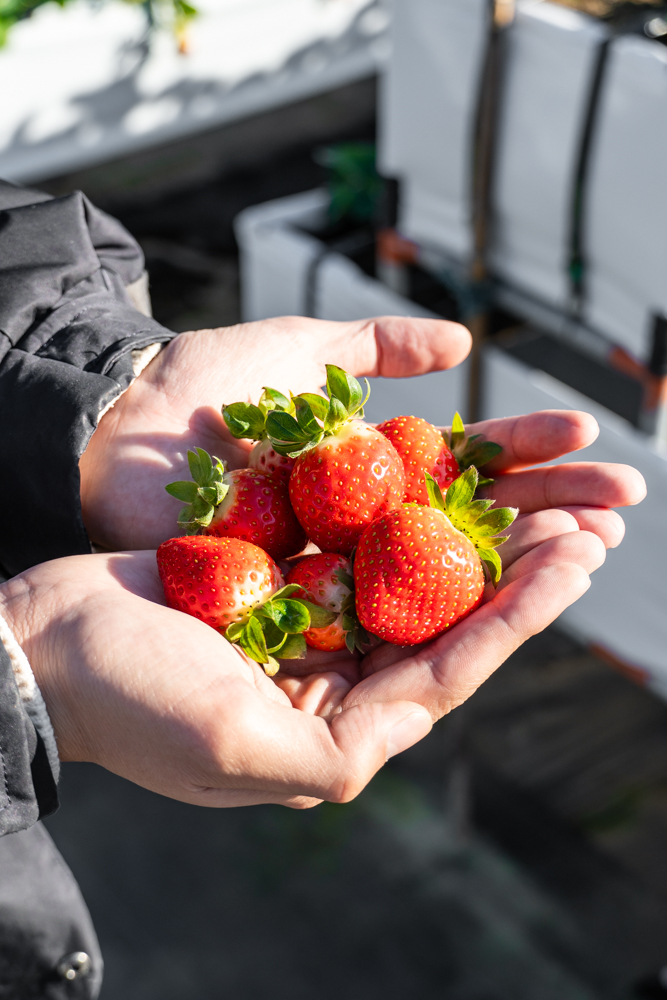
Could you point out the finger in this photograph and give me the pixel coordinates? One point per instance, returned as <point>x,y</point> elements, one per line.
<point>606,524</point>
<point>530,530</point>
<point>442,674</point>
<point>590,484</point>
<point>292,754</point>
<point>319,694</point>
<point>536,437</point>
<point>318,661</point>
<point>390,346</point>
<point>580,547</point>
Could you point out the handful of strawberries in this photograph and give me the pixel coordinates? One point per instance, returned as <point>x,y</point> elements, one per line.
<point>405,548</point>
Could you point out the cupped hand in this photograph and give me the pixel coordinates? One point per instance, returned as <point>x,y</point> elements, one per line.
<point>164,700</point>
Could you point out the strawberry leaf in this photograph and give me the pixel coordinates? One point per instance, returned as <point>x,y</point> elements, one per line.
<point>492,562</point>
<point>306,418</point>
<point>252,641</point>
<point>201,466</point>
<point>290,615</point>
<point>271,399</point>
<point>272,667</point>
<point>434,493</point>
<point>319,617</point>
<point>285,434</point>
<point>287,591</point>
<point>462,490</point>
<point>318,404</point>
<point>294,648</point>
<point>182,490</point>
<point>336,416</point>
<point>244,420</point>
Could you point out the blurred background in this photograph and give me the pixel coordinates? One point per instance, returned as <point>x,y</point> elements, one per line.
<point>494,162</point>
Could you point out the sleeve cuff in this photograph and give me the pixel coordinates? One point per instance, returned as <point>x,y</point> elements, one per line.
<point>30,695</point>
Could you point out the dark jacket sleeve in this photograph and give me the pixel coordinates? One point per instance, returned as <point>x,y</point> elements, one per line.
<point>68,331</point>
<point>27,778</point>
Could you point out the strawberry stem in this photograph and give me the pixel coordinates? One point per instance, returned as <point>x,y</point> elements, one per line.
<point>203,494</point>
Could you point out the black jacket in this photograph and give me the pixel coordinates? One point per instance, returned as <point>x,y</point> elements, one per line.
<point>69,337</point>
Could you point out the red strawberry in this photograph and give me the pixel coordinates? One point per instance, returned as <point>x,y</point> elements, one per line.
<point>422,448</point>
<point>235,587</point>
<point>444,456</point>
<point>418,570</point>
<point>245,420</point>
<point>326,580</point>
<point>346,473</point>
<point>240,504</point>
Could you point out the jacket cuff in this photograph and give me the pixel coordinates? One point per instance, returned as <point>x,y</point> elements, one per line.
<point>29,762</point>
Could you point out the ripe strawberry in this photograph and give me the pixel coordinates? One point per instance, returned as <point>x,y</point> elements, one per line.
<point>235,587</point>
<point>245,420</point>
<point>422,448</point>
<point>240,504</point>
<point>418,570</point>
<point>444,456</point>
<point>326,580</point>
<point>346,473</point>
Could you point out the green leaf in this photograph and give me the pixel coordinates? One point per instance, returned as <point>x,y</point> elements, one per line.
<point>481,453</point>
<point>244,420</point>
<point>235,631</point>
<point>492,562</point>
<point>336,415</point>
<point>319,617</point>
<point>285,434</point>
<point>273,400</point>
<point>345,388</point>
<point>350,641</point>
<point>344,577</point>
<point>496,520</point>
<point>458,432</point>
<point>435,497</point>
<point>201,466</point>
<point>182,490</point>
<point>462,490</point>
<point>271,667</point>
<point>318,404</point>
<point>290,615</point>
<point>294,648</point>
<point>306,419</point>
<point>253,643</point>
<point>349,623</point>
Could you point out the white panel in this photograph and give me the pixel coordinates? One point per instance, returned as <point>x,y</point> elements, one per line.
<point>551,57</point>
<point>625,609</point>
<point>274,256</point>
<point>80,86</point>
<point>626,220</point>
<point>427,113</point>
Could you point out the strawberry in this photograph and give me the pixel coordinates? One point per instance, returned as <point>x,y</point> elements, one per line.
<point>240,504</point>
<point>326,580</point>
<point>245,420</point>
<point>236,588</point>
<point>424,448</point>
<point>346,473</point>
<point>418,570</point>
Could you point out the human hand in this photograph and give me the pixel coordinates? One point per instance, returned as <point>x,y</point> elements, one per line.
<point>141,444</point>
<point>164,700</point>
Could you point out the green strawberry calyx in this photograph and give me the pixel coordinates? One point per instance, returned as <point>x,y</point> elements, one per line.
<point>468,451</point>
<point>356,636</point>
<point>275,628</point>
<point>473,517</point>
<point>316,417</point>
<point>203,494</point>
<point>245,420</point>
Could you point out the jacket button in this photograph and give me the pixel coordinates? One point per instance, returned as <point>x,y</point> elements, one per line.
<point>76,965</point>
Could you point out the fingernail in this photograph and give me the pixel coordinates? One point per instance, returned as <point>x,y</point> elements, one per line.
<point>407,732</point>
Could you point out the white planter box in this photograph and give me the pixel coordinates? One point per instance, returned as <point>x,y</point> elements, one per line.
<point>626,221</point>
<point>625,610</point>
<point>276,264</point>
<point>551,57</point>
<point>86,87</point>
<point>428,102</point>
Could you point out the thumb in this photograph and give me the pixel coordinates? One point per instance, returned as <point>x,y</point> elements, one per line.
<point>396,346</point>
